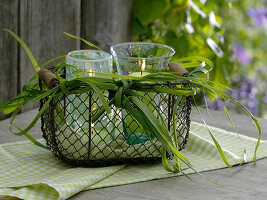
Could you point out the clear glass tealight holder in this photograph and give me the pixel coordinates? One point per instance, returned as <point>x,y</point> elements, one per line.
<point>133,57</point>
<point>139,59</point>
<point>79,106</point>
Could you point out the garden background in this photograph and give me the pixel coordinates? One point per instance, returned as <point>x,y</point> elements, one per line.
<point>230,33</point>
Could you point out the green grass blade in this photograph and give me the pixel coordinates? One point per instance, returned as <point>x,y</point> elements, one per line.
<point>26,48</point>
<point>126,77</point>
<point>162,132</point>
<point>34,141</point>
<point>259,139</point>
<point>228,115</point>
<point>190,65</point>
<point>147,113</point>
<point>23,132</point>
<point>219,149</point>
<point>10,110</point>
<point>182,100</point>
<point>165,161</point>
<point>195,58</point>
<point>99,94</point>
<point>206,104</point>
<point>118,97</point>
<point>64,89</point>
<point>53,59</point>
<point>221,94</point>
<point>174,91</point>
<point>102,84</point>
<point>177,164</point>
<point>85,41</point>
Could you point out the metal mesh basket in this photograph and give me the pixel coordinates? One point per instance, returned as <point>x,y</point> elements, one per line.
<point>113,138</point>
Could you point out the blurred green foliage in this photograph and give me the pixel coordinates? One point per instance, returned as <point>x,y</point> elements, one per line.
<point>190,27</point>
<point>211,28</point>
<point>246,27</point>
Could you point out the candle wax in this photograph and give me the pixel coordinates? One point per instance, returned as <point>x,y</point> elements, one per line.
<point>138,74</point>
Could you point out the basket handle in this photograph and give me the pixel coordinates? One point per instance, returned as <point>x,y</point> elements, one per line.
<point>48,78</point>
<point>175,67</point>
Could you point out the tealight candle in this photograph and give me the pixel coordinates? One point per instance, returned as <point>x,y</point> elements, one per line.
<point>139,59</point>
<point>142,65</point>
<point>78,106</point>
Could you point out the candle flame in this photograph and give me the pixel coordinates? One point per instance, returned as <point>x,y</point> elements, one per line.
<point>91,72</point>
<point>92,126</point>
<point>93,108</point>
<point>143,65</point>
<point>139,63</point>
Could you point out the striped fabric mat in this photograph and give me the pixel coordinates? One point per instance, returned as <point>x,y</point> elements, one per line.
<point>30,172</point>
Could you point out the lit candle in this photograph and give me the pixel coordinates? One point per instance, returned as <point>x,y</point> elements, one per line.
<point>134,132</point>
<point>92,124</point>
<point>142,64</point>
<point>91,74</point>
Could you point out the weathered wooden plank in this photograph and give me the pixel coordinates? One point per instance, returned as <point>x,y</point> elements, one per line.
<point>8,51</point>
<point>42,25</point>
<point>105,23</point>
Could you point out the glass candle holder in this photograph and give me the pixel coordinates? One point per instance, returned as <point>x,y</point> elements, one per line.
<point>139,59</point>
<point>80,105</point>
<point>89,60</point>
<point>132,57</point>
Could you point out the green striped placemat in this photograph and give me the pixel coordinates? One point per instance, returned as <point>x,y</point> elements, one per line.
<point>30,172</point>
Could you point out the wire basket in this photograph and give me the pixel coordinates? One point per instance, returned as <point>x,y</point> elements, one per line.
<point>114,138</point>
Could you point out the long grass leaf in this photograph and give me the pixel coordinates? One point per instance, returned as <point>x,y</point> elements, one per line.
<point>34,141</point>
<point>26,48</point>
<point>23,132</point>
<point>85,41</point>
<point>162,133</point>
<point>219,149</point>
<point>53,59</point>
<point>99,94</point>
<point>165,161</point>
<point>228,115</point>
<point>221,94</point>
<point>178,100</point>
<point>195,58</point>
<point>147,112</point>
<point>206,103</point>
<point>174,91</point>
<point>126,77</point>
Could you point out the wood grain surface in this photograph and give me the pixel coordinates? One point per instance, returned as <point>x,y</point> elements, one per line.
<point>106,22</point>
<point>8,51</point>
<point>41,23</point>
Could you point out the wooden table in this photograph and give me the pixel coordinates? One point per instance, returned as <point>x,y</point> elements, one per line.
<point>248,181</point>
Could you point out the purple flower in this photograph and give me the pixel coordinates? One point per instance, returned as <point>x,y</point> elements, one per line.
<point>217,105</point>
<point>259,16</point>
<point>242,56</point>
<point>265,99</point>
<point>246,93</point>
<point>248,88</point>
<point>234,94</point>
<point>252,105</point>
<point>207,99</point>
<point>265,94</point>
